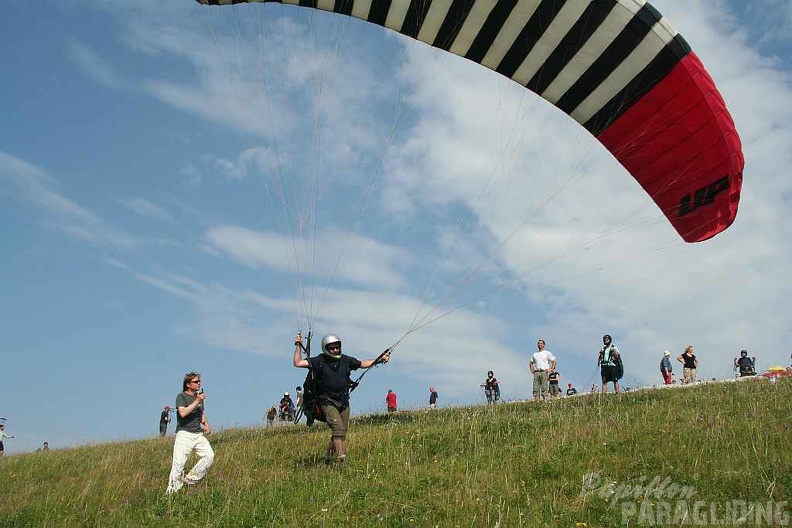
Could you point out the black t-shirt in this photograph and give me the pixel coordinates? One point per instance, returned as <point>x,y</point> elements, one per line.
<point>491,384</point>
<point>164,418</point>
<point>690,360</point>
<point>332,376</point>
<point>433,397</point>
<point>571,391</point>
<point>745,364</point>
<point>553,378</point>
<point>192,422</point>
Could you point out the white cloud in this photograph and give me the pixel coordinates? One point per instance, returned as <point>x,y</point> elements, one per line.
<point>261,161</point>
<point>364,261</point>
<point>146,208</point>
<point>93,65</point>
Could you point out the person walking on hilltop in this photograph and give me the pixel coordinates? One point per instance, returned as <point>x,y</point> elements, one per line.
<point>331,370</point>
<point>390,401</point>
<point>191,430</point>
<point>164,420</point>
<point>542,362</point>
<point>432,398</point>
<point>690,365</point>
<point>609,361</point>
<point>491,388</point>
<point>665,368</point>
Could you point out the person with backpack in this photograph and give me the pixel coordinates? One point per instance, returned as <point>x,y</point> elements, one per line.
<point>745,364</point>
<point>491,388</point>
<point>330,375</point>
<point>609,361</point>
<point>164,420</point>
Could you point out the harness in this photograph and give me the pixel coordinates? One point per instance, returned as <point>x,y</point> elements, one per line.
<point>312,402</point>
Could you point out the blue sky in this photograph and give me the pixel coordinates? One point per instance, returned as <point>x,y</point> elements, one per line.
<point>184,188</point>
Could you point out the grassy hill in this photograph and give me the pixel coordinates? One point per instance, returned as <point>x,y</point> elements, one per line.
<point>519,464</point>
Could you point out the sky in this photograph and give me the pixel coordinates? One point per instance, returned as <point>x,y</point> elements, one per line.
<point>184,188</point>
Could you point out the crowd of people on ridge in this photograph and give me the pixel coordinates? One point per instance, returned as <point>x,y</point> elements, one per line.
<point>326,397</point>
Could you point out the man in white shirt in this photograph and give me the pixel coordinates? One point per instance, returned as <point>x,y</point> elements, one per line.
<point>542,362</point>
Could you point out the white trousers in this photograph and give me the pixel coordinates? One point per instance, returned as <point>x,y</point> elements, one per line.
<point>184,445</point>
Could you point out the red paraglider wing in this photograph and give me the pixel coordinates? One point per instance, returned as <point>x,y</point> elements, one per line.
<point>615,66</point>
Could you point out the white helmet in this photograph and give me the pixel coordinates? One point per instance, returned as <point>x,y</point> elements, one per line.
<point>285,393</point>
<point>330,339</point>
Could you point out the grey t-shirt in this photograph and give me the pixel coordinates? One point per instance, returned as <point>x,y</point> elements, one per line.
<point>192,422</point>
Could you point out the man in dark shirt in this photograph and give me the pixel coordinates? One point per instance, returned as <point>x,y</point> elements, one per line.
<point>571,391</point>
<point>331,370</point>
<point>432,398</point>
<point>745,364</point>
<point>164,420</point>
<point>191,428</point>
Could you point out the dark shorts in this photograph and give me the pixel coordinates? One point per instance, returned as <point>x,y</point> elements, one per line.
<point>609,373</point>
<point>555,389</point>
<point>337,421</point>
<point>2,447</point>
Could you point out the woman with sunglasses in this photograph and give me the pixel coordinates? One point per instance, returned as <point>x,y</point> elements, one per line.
<point>191,430</point>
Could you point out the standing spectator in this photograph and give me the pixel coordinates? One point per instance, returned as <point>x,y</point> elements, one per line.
<point>331,371</point>
<point>191,428</point>
<point>272,413</point>
<point>746,365</point>
<point>299,391</point>
<point>432,398</point>
<point>665,368</point>
<point>164,420</point>
<point>690,362</point>
<point>571,390</point>
<point>286,408</point>
<point>491,388</point>
<point>3,435</point>
<point>390,401</point>
<point>542,362</point>
<point>555,389</point>
<point>609,360</point>
<point>45,447</point>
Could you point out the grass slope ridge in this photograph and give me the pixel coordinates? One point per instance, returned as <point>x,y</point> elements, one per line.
<point>518,464</point>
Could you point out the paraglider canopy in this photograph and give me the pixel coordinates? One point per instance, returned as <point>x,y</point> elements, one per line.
<point>617,67</point>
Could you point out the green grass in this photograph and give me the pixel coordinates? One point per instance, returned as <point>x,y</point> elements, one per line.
<point>518,464</point>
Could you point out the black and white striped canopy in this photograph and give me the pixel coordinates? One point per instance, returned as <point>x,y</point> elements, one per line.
<point>615,66</point>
